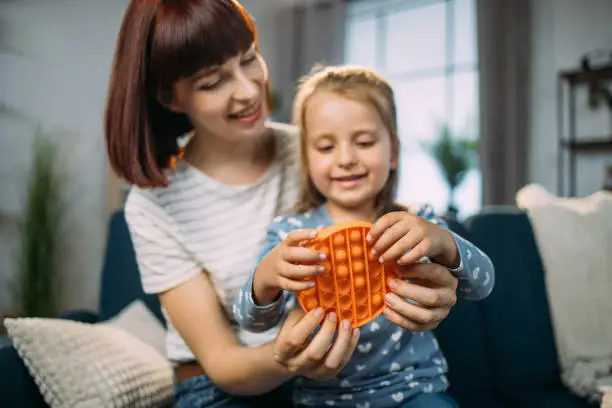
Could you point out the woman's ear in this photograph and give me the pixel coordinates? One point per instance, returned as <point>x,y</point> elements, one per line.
<point>167,100</point>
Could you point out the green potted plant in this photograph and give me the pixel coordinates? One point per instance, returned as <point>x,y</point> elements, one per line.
<point>38,266</point>
<point>456,156</point>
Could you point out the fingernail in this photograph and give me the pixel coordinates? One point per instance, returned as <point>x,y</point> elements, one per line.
<point>368,237</point>
<point>321,268</point>
<point>373,251</point>
<point>389,298</point>
<point>318,312</point>
<point>393,283</point>
<point>313,233</point>
<point>381,260</point>
<point>355,332</point>
<point>322,256</point>
<point>346,324</point>
<point>332,317</point>
<point>311,284</point>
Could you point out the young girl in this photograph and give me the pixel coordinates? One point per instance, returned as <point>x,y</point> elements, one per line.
<point>347,118</point>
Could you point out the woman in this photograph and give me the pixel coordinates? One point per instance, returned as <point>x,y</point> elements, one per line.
<point>201,203</point>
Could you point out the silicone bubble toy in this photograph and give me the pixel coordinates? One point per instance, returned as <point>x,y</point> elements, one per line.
<point>354,283</point>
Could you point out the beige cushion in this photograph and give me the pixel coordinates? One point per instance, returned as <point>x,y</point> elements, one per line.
<point>82,365</point>
<point>140,322</point>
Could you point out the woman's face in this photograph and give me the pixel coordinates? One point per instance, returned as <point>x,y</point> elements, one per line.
<point>227,101</point>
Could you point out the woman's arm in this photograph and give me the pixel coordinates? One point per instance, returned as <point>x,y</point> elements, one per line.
<point>195,311</point>
<point>475,272</point>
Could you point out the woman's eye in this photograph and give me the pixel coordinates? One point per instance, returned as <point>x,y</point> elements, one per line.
<point>209,86</point>
<point>247,59</point>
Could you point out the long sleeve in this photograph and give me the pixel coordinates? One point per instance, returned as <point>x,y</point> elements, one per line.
<point>475,272</point>
<point>259,318</point>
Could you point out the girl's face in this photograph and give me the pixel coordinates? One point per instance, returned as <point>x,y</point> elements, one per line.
<point>227,101</point>
<point>349,150</point>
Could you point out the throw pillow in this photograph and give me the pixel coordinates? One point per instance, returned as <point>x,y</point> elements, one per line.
<point>140,322</point>
<point>82,365</point>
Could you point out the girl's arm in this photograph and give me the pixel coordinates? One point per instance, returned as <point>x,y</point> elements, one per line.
<point>475,272</point>
<point>248,312</point>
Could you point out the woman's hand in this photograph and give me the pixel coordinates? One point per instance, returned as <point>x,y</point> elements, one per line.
<point>287,267</point>
<point>431,288</point>
<point>406,238</point>
<point>318,357</point>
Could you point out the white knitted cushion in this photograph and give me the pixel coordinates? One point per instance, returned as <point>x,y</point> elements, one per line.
<point>82,365</point>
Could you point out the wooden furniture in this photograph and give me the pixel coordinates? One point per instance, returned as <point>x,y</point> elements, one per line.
<point>571,145</point>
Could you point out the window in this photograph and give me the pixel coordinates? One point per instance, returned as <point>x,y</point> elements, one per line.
<point>427,50</point>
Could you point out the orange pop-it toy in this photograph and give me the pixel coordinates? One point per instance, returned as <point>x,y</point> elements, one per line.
<point>354,283</point>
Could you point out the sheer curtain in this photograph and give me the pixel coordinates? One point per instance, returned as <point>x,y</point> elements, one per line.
<point>427,50</point>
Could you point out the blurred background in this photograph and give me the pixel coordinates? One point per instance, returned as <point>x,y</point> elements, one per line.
<point>492,95</point>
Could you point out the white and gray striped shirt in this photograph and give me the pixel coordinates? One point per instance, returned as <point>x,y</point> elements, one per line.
<point>199,223</point>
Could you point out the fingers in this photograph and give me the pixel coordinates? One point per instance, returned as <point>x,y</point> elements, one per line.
<point>295,285</point>
<point>340,347</point>
<point>301,254</point>
<point>383,223</point>
<point>406,323</point>
<point>424,296</point>
<point>415,312</point>
<point>316,351</point>
<point>293,339</point>
<point>296,237</point>
<point>408,249</point>
<point>438,275</point>
<point>348,350</point>
<point>300,271</point>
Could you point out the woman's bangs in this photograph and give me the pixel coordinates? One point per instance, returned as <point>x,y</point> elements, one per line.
<point>188,40</point>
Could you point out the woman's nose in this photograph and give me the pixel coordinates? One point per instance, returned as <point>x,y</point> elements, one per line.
<point>246,89</point>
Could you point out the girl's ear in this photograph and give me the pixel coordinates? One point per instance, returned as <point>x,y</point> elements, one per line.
<point>395,154</point>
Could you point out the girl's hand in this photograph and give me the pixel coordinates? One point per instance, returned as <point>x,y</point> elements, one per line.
<point>287,266</point>
<point>406,238</point>
<point>318,357</point>
<point>432,290</point>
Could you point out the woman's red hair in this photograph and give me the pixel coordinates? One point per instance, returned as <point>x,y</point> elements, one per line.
<point>159,43</point>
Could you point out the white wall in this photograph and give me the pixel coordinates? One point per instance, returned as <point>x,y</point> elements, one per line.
<point>563,30</point>
<point>55,73</point>
<point>55,57</point>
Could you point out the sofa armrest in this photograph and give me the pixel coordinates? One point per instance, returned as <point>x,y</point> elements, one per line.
<point>18,388</point>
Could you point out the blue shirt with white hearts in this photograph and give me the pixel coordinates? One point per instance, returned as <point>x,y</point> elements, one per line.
<point>391,364</point>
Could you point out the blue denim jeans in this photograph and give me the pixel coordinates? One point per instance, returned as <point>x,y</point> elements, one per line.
<point>200,392</point>
<point>431,400</point>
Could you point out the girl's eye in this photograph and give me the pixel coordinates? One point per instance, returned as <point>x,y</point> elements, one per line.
<point>325,148</point>
<point>366,143</point>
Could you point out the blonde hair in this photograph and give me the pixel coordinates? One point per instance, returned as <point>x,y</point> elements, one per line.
<point>359,84</point>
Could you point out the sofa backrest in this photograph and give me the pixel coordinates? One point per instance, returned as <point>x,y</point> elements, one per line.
<point>515,320</point>
<point>120,277</point>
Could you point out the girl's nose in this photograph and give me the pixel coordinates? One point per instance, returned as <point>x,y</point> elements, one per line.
<point>346,157</point>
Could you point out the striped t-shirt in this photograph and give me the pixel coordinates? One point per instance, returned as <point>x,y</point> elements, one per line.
<point>199,223</point>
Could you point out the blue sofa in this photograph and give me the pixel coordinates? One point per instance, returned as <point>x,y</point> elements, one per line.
<point>501,351</point>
